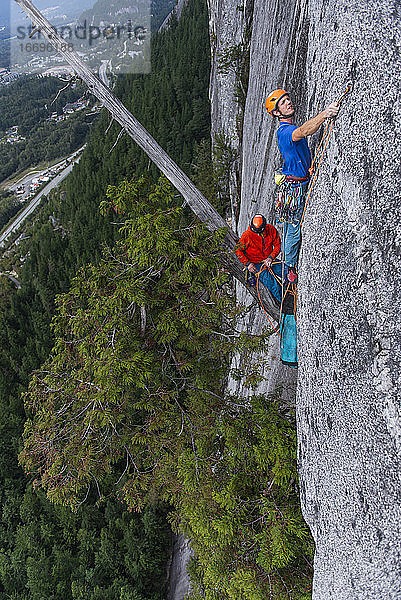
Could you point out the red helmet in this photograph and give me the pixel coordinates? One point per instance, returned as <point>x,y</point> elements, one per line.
<point>258,224</point>
<point>273,99</point>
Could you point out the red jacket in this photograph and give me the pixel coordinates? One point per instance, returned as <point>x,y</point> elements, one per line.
<point>255,247</point>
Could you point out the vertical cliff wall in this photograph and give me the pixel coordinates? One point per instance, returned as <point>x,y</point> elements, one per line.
<point>228,22</point>
<point>227,25</point>
<point>349,314</point>
<point>348,407</point>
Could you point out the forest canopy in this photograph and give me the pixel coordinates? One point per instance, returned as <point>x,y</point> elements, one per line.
<point>103,551</point>
<point>134,392</point>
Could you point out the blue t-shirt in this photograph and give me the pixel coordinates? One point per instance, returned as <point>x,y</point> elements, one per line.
<point>296,155</point>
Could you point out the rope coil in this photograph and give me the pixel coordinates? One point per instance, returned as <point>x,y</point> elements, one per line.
<point>281,283</point>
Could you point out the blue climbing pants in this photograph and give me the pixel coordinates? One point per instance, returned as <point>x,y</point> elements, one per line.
<point>292,242</point>
<point>269,281</point>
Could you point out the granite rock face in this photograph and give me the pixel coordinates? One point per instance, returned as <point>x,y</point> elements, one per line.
<point>277,59</point>
<point>349,311</point>
<point>278,53</point>
<point>348,392</point>
<point>228,20</point>
<point>226,28</point>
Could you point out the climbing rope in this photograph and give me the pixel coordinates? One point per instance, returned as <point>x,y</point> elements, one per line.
<point>280,282</point>
<point>262,268</point>
<point>325,138</point>
<point>320,152</point>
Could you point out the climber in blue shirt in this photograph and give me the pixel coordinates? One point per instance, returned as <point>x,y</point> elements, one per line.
<point>296,155</point>
<point>297,161</point>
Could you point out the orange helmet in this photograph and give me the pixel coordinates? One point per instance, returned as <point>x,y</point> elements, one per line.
<point>258,224</point>
<point>273,99</point>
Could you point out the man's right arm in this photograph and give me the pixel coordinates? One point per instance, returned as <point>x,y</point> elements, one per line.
<point>313,125</point>
<point>240,250</point>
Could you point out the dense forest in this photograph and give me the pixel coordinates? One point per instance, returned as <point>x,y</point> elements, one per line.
<point>102,551</point>
<point>129,409</point>
<point>30,100</point>
<point>46,141</point>
<point>9,206</point>
<point>159,11</point>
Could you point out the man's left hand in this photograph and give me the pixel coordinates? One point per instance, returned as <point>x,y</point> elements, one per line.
<point>268,261</point>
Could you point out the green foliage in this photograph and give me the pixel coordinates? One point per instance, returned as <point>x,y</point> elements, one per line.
<point>143,319</point>
<point>240,507</point>
<point>9,206</point>
<point>213,170</point>
<point>235,59</point>
<point>133,401</point>
<point>100,552</point>
<point>172,101</point>
<point>46,261</point>
<point>134,390</point>
<point>230,59</point>
<point>30,100</point>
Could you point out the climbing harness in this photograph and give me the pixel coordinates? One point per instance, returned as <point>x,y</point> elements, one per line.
<point>291,189</point>
<point>289,199</point>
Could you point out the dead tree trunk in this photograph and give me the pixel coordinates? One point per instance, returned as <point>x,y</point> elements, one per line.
<point>195,200</point>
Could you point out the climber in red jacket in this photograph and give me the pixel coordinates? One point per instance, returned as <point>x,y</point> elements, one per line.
<point>258,246</point>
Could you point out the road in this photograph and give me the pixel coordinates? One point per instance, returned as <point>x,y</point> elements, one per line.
<point>26,180</point>
<point>36,201</point>
<point>103,72</point>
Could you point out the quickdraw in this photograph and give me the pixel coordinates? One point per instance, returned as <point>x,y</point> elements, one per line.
<point>289,199</point>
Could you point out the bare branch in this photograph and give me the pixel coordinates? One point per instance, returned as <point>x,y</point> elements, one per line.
<point>143,319</point>
<point>117,140</point>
